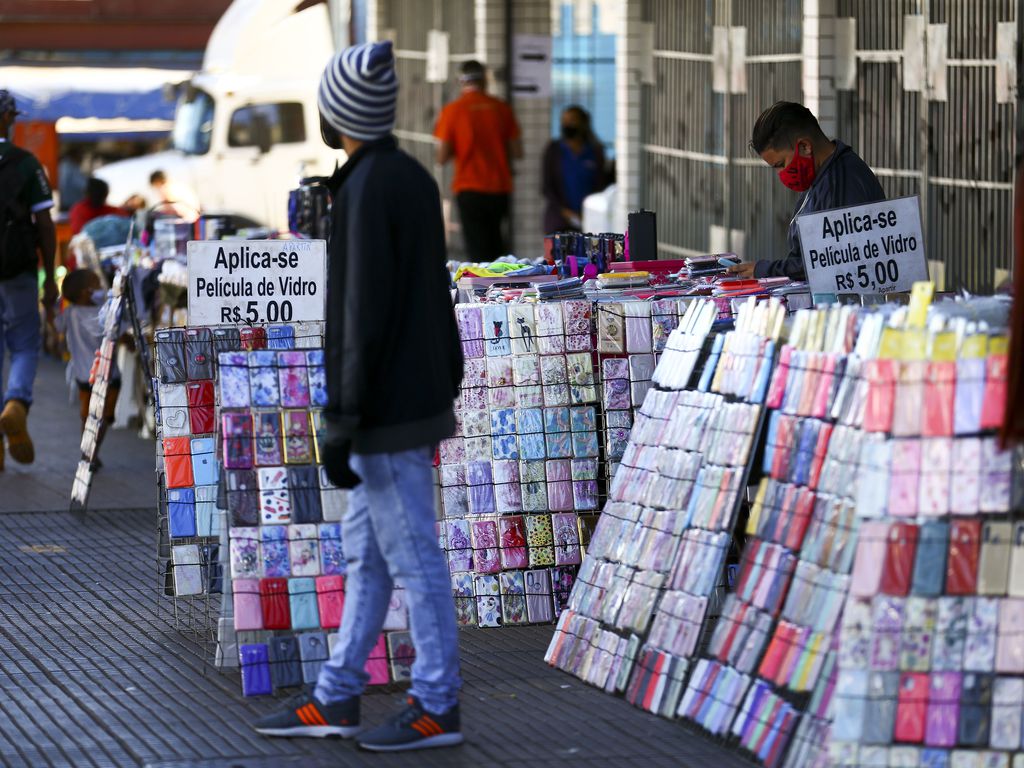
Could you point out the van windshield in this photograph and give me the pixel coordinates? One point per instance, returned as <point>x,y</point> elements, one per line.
<point>193,122</point>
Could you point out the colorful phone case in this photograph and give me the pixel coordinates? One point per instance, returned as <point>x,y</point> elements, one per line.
<point>994,559</point>
<point>244,549</point>
<point>170,354</point>
<point>252,337</point>
<point>275,501</point>
<point>237,436</point>
<point>274,546</point>
<point>488,604</point>
<point>178,462</point>
<point>269,445</point>
<point>181,512</point>
<point>302,603</point>
<point>330,595</point>
<point>513,597</point>
<point>911,708</point>
<point>486,556</point>
<point>314,652</point>
<point>274,602</point>
<point>254,660</point>
<point>280,337</point>
<point>538,597</point>
<point>233,378</point>
<point>198,353</point>
<point>512,543</point>
<point>317,378</point>
<point>293,379</point>
<point>901,546</point>
<point>263,385</point>
<point>304,549</point>
<point>943,709</point>
<point>962,565</point>
<point>285,670</point>
<point>540,540</point>
<point>332,557</point>
<point>566,538</point>
<point>401,654</point>
<point>248,612</point>
<point>297,446</point>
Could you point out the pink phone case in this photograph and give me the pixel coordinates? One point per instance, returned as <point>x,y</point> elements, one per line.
<point>248,611</point>
<point>330,598</point>
<point>871,549</point>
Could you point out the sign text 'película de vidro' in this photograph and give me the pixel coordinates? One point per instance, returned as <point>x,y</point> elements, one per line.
<point>256,281</point>
<point>873,248</point>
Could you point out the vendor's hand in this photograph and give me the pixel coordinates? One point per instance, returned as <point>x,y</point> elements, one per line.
<point>335,459</point>
<point>50,296</point>
<point>743,269</point>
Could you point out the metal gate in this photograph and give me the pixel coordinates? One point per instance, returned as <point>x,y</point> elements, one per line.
<point>407,23</point>
<point>717,64</point>
<point>932,110</point>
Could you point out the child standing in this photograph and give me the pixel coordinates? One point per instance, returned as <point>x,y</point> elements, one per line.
<point>80,322</point>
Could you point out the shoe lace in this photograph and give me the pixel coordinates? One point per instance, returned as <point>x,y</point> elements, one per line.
<point>410,714</point>
<point>302,697</point>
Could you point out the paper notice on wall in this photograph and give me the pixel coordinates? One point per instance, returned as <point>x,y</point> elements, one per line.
<point>531,66</point>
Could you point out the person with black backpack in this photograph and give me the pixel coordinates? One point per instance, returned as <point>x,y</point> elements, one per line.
<point>26,231</point>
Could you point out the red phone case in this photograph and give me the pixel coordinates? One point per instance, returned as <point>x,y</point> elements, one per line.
<point>962,563</point>
<point>939,396</point>
<point>881,397</point>
<point>200,407</point>
<point>911,708</point>
<point>253,338</point>
<point>993,410</point>
<point>178,462</point>
<point>900,549</point>
<point>274,600</point>
<point>330,598</point>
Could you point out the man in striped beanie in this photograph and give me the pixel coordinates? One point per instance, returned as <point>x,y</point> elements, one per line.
<point>394,367</point>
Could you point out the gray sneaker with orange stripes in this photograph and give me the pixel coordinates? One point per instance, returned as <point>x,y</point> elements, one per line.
<point>303,715</point>
<point>414,728</point>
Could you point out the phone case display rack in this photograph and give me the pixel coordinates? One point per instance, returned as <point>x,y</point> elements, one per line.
<point>543,418</point>
<point>875,618</point>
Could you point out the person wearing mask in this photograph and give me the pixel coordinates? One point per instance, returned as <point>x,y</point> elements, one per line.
<point>573,168</point>
<point>381,434</point>
<point>26,233</point>
<point>94,205</point>
<point>481,134</point>
<point>827,174</point>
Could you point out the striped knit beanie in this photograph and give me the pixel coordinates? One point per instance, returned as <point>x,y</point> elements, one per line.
<point>359,90</point>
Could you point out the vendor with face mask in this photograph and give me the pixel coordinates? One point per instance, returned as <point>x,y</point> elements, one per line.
<point>828,174</point>
<point>572,168</point>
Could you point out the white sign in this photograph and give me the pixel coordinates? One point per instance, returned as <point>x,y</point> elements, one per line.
<point>873,248</point>
<point>237,282</point>
<point>531,66</point>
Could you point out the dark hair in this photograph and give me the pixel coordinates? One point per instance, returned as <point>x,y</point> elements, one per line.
<point>782,124</point>
<point>157,177</point>
<point>76,281</point>
<point>584,116</point>
<point>96,191</point>
<point>473,70</point>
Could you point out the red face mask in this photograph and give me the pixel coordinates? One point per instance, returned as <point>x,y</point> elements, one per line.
<point>799,174</point>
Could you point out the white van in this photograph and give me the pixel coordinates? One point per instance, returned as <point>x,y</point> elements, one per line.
<point>246,128</point>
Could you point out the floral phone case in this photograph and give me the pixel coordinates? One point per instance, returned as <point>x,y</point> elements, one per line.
<point>293,379</point>
<point>297,447</point>
<point>237,440</point>
<point>316,376</point>
<point>540,540</point>
<point>233,377</point>
<point>566,538</point>
<point>512,532</point>
<point>263,384</point>
<point>512,586</point>
<point>549,328</point>
<point>488,604</point>
<point>332,556</point>
<point>244,550</point>
<point>469,318</point>
<point>465,599</point>
<point>304,549</point>
<point>269,444</point>
<point>274,546</point>
<point>486,556</point>
<point>402,654</point>
<point>459,546</point>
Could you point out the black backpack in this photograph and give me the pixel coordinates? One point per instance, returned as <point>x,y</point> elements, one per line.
<point>17,232</point>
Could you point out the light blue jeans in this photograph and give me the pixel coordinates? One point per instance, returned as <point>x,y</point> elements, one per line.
<point>389,534</point>
<point>20,335</point>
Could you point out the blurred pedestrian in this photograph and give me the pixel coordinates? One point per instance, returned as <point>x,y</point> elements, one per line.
<point>83,328</point>
<point>174,197</point>
<point>71,179</point>
<point>380,434</point>
<point>482,135</point>
<point>93,205</point>
<point>26,232</point>
<point>573,167</point>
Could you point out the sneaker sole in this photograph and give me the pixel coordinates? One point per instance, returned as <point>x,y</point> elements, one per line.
<point>442,740</point>
<point>314,731</point>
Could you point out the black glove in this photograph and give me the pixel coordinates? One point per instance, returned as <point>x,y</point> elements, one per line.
<point>335,456</point>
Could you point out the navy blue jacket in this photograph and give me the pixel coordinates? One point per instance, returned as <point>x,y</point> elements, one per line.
<point>843,180</point>
<point>394,361</point>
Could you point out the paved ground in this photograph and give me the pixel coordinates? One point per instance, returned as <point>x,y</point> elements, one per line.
<point>93,672</point>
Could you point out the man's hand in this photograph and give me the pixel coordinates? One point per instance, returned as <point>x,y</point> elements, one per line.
<point>743,269</point>
<point>335,456</point>
<point>50,295</point>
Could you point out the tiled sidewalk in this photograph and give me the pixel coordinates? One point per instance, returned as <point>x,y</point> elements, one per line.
<point>95,674</point>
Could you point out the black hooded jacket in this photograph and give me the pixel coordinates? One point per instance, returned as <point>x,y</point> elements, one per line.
<point>394,362</point>
<point>843,180</point>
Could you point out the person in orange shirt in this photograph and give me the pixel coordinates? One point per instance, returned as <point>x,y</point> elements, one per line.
<point>481,134</point>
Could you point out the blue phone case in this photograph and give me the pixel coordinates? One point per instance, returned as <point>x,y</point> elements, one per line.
<point>930,562</point>
<point>313,650</point>
<point>285,668</point>
<point>280,337</point>
<point>255,663</point>
<point>304,489</point>
<point>302,601</point>
<point>181,512</point>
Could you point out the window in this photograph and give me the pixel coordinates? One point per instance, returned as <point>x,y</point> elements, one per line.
<point>193,122</point>
<point>283,124</point>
